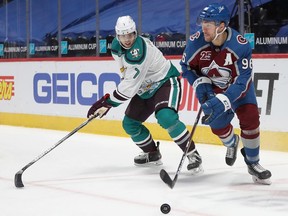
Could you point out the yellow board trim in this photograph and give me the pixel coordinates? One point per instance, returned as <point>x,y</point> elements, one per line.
<point>275,141</point>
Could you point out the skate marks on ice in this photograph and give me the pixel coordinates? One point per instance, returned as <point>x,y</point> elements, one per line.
<point>95,175</point>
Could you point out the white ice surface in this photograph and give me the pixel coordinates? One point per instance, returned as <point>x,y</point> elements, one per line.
<point>93,175</point>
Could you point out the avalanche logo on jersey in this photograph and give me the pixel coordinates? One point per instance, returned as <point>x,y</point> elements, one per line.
<point>135,53</point>
<point>241,39</point>
<point>220,76</point>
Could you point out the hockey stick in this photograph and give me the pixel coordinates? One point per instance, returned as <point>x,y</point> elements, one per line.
<point>18,176</point>
<point>163,174</point>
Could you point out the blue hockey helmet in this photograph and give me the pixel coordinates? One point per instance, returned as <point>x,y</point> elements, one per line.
<point>214,12</point>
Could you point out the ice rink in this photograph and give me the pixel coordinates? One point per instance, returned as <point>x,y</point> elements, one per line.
<point>93,175</point>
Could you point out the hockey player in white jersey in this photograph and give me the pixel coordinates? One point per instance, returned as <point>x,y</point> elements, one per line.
<point>151,82</point>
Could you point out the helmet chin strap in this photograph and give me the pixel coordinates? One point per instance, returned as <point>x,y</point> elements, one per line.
<point>217,34</point>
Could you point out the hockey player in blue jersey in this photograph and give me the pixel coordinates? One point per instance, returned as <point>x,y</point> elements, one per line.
<point>217,62</point>
<point>151,83</point>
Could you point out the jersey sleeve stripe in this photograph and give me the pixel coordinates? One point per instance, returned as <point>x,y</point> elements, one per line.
<point>117,97</point>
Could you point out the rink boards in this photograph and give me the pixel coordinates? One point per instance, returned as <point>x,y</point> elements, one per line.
<point>57,93</point>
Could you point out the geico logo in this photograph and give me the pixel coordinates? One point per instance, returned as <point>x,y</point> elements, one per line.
<point>69,88</point>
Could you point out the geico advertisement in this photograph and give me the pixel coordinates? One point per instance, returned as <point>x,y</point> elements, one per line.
<point>68,88</point>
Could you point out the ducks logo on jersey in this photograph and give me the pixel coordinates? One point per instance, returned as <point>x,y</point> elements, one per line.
<point>135,53</point>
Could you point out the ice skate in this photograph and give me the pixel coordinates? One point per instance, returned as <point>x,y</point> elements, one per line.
<point>195,162</point>
<point>259,174</point>
<point>149,158</point>
<point>231,153</point>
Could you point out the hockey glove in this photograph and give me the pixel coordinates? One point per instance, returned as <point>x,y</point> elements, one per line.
<point>203,89</point>
<point>214,108</point>
<point>100,107</point>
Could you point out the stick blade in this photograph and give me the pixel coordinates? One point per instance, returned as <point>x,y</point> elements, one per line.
<point>18,179</point>
<point>166,178</point>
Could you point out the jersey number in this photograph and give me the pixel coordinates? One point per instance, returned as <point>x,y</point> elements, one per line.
<point>137,73</point>
<point>246,63</point>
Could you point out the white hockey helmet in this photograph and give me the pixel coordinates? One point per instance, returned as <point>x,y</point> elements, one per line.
<point>125,25</point>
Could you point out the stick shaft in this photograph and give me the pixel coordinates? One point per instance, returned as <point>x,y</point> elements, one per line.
<point>165,177</point>
<point>18,180</point>
<point>189,141</point>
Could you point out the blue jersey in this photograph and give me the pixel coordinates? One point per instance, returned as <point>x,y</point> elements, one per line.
<point>229,67</point>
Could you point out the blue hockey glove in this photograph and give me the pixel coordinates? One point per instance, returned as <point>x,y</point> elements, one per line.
<point>214,108</point>
<point>100,107</point>
<point>203,89</point>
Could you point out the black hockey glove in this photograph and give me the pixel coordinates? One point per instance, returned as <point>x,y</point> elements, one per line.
<point>100,107</point>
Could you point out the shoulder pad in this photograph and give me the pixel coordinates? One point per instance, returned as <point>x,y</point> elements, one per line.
<point>116,48</point>
<point>238,43</point>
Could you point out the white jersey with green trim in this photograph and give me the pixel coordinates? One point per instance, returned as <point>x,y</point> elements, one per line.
<point>144,69</point>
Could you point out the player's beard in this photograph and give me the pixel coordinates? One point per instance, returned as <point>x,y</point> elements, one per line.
<point>208,38</point>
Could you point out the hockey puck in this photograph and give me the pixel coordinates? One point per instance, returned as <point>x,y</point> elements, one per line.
<point>165,208</point>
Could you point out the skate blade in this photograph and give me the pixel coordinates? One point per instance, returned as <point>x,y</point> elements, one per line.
<point>261,181</point>
<point>150,164</point>
<point>197,171</point>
